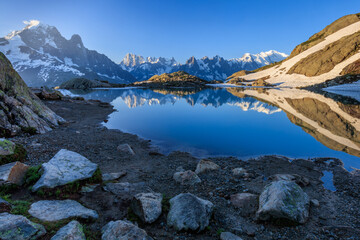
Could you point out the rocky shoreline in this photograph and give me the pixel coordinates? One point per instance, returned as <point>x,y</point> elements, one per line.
<point>223,192</point>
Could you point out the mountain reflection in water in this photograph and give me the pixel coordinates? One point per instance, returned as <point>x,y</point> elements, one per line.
<point>239,122</point>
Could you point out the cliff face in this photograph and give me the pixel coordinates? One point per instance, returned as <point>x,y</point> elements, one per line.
<point>19,107</point>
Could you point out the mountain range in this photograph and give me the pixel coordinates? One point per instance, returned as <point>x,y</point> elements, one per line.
<point>216,68</point>
<point>42,56</point>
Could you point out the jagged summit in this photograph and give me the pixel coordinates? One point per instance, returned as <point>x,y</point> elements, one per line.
<point>42,56</point>
<point>214,68</point>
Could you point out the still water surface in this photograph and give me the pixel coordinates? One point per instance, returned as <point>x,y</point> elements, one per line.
<point>229,121</point>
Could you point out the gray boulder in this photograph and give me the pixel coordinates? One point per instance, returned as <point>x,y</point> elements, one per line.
<point>55,210</point>
<point>283,200</point>
<point>65,167</point>
<point>71,231</point>
<point>240,172</point>
<point>6,147</point>
<point>229,236</point>
<point>188,212</point>
<point>17,227</point>
<point>13,172</point>
<point>206,166</point>
<point>300,180</point>
<point>113,176</point>
<point>123,230</point>
<point>147,206</point>
<point>186,178</point>
<point>125,148</point>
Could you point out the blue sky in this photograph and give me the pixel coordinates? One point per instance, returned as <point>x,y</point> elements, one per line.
<point>180,29</point>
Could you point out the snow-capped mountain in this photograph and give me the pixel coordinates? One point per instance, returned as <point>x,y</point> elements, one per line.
<point>216,68</point>
<point>42,56</point>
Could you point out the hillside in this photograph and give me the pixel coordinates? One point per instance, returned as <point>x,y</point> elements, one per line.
<point>331,53</point>
<point>20,108</point>
<point>176,79</point>
<point>42,56</point>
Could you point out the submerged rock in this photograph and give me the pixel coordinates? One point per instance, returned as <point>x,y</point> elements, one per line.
<point>55,210</point>
<point>283,200</point>
<point>6,147</point>
<point>13,172</point>
<point>13,227</point>
<point>147,206</point>
<point>65,167</point>
<point>123,230</point>
<point>188,212</point>
<point>205,166</point>
<point>229,236</point>
<point>71,231</point>
<point>125,148</point>
<point>186,178</point>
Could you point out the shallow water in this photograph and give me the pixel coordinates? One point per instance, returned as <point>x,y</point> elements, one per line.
<point>231,121</point>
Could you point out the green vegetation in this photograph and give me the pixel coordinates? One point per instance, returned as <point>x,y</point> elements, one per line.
<point>19,155</point>
<point>165,203</point>
<point>90,234</point>
<point>32,175</point>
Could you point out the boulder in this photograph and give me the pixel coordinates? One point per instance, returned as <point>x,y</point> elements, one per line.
<point>315,202</point>
<point>246,202</point>
<point>6,147</point>
<point>188,212</point>
<point>240,172</point>
<point>300,180</point>
<point>113,176</point>
<point>186,178</point>
<point>65,167</point>
<point>229,236</point>
<point>4,206</point>
<point>125,148</point>
<point>147,206</point>
<point>123,230</point>
<point>13,227</point>
<point>283,200</point>
<point>206,166</point>
<point>55,210</point>
<point>88,188</point>
<point>13,172</point>
<point>71,231</point>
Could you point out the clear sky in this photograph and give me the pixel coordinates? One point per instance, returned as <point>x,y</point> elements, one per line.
<point>180,29</point>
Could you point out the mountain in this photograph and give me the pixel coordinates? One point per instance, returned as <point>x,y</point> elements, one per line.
<point>216,68</point>
<point>42,56</point>
<point>327,55</point>
<point>21,108</point>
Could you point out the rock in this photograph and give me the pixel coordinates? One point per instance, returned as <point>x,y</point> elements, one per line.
<point>71,231</point>
<point>186,178</point>
<point>315,202</point>
<point>283,200</point>
<point>88,188</point>
<point>240,172</point>
<point>302,181</point>
<point>205,166</point>
<point>83,83</point>
<point>65,167</point>
<point>188,212</point>
<point>13,227</point>
<point>49,94</point>
<point>229,236</point>
<point>125,148</point>
<point>147,206</point>
<point>55,210</point>
<point>180,169</point>
<point>113,176</point>
<point>6,147</point>
<point>123,230</point>
<point>246,202</point>
<point>4,206</point>
<point>125,189</point>
<point>13,172</point>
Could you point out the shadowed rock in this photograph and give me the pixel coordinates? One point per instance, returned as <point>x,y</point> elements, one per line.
<point>206,166</point>
<point>188,212</point>
<point>71,231</point>
<point>123,230</point>
<point>13,172</point>
<point>13,227</point>
<point>186,178</point>
<point>147,206</point>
